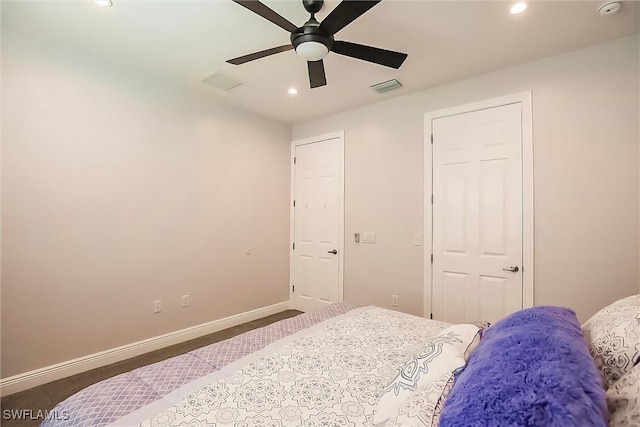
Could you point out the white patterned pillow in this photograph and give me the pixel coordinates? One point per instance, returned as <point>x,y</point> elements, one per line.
<point>424,406</point>
<point>442,355</point>
<point>613,337</point>
<point>623,400</point>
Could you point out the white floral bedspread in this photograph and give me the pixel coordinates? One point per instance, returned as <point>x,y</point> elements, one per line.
<point>329,375</point>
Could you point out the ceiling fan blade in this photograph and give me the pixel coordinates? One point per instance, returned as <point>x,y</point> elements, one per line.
<point>257,55</point>
<point>344,14</point>
<point>256,7</point>
<point>316,73</point>
<point>388,58</point>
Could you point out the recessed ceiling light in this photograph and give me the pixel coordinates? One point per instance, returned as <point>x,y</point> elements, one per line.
<point>293,91</point>
<point>518,8</point>
<point>104,3</point>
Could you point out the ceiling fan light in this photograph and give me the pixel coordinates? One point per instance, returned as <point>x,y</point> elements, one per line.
<point>312,51</point>
<point>104,3</point>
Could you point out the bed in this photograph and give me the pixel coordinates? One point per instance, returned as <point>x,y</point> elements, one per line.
<point>348,365</point>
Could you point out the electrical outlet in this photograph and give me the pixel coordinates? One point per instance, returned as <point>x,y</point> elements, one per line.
<point>185,300</point>
<point>394,300</point>
<point>157,306</point>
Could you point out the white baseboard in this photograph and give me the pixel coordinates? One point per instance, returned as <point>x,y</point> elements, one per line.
<point>55,372</point>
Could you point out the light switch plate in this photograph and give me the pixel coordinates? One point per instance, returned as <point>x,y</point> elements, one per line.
<point>417,239</point>
<point>368,237</point>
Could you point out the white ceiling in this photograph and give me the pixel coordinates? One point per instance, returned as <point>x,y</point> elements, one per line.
<point>181,42</point>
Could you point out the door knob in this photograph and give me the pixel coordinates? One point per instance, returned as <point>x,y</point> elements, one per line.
<point>512,269</point>
<point>335,251</point>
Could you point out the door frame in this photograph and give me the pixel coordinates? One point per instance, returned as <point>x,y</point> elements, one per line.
<point>339,135</point>
<point>524,99</point>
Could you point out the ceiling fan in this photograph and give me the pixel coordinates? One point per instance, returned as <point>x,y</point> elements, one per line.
<point>314,40</point>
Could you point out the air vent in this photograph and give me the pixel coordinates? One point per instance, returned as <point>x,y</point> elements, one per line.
<point>222,81</point>
<point>386,86</point>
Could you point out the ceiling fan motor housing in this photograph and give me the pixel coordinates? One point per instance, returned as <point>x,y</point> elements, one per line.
<point>311,32</point>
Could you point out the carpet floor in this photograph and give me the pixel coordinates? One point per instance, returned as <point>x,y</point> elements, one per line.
<point>46,396</point>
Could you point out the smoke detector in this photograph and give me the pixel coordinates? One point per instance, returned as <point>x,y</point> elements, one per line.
<point>610,8</point>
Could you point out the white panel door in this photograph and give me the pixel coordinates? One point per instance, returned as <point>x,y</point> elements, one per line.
<point>477,215</point>
<point>317,242</point>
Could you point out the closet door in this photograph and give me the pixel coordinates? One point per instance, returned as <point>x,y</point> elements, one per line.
<point>477,215</point>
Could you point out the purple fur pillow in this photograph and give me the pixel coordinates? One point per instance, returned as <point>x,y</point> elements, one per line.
<point>532,368</point>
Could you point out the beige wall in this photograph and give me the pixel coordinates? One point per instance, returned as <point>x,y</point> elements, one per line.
<point>118,191</point>
<point>586,139</point>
